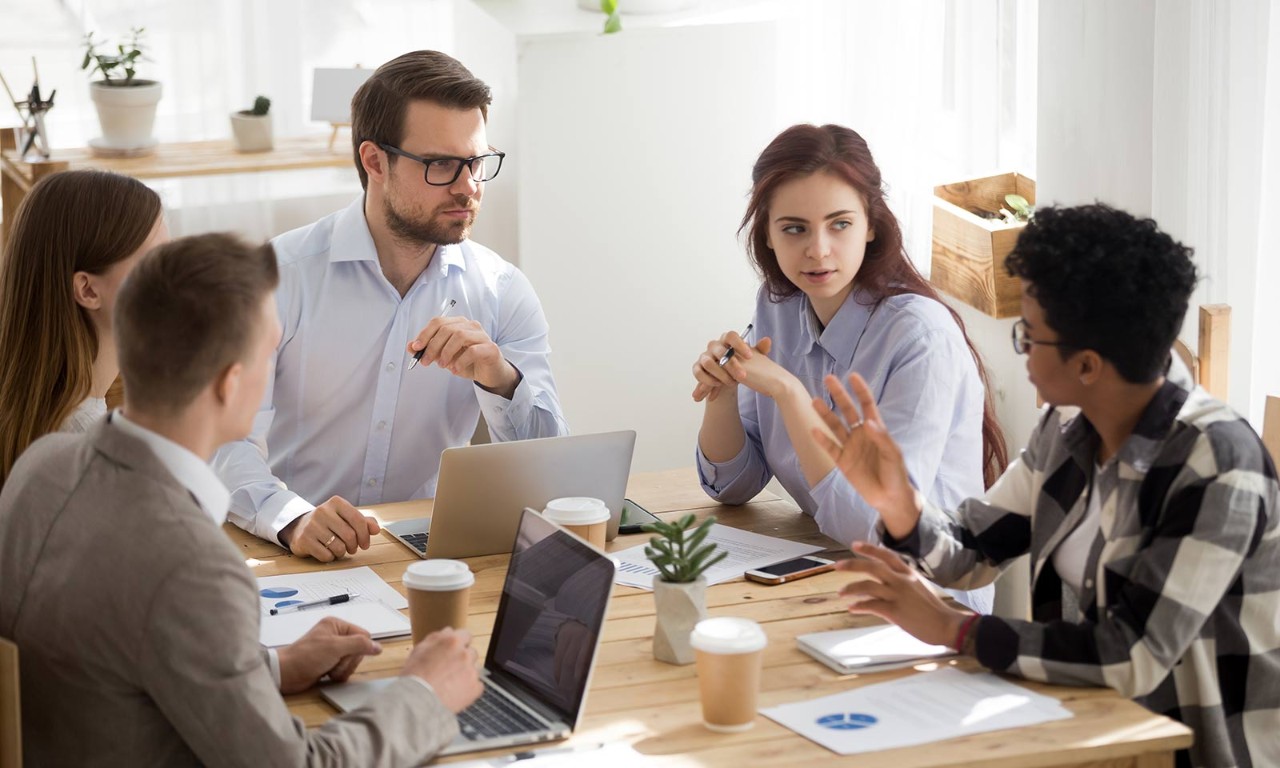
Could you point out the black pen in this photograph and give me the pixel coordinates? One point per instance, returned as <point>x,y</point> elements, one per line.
<point>445,309</point>
<point>729,353</point>
<point>315,603</point>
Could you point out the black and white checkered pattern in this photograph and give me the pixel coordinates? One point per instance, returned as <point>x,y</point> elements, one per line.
<point>1180,605</point>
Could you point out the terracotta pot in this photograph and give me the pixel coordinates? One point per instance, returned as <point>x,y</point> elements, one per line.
<point>679,608</point>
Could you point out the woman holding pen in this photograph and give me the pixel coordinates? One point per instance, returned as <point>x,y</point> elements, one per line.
<point>839,295</point>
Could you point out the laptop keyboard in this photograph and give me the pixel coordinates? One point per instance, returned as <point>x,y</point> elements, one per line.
<point>494,715</point>
<point>416,540</point>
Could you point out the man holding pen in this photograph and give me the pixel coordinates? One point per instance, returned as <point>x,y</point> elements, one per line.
<point>1151,517</point>
<point>135,616</point>
<point>346,420</point>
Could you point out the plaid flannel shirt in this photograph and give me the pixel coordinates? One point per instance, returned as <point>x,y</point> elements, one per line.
<point>1180,602</point>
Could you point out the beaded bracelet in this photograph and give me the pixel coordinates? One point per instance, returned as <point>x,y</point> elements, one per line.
<point>964,631</point>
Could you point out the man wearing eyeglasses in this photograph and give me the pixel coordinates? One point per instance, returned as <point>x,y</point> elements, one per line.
<point>351,417</point>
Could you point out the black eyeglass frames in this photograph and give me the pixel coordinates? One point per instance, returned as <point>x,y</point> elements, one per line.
<point>443,171</point>
<point>1022,344</point>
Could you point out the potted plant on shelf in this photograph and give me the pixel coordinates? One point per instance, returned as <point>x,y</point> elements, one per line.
<point>680,594</point>
<point>126,104</point>
<point>251,128</point>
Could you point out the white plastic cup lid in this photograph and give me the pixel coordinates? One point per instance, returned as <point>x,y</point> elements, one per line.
<point>438,575</point>
<point>576,510</point>
<point>725,634</point>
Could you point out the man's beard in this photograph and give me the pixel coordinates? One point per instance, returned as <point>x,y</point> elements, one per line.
<point>433,231</point>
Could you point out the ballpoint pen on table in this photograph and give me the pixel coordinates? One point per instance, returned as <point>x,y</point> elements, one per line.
<point>315,603</point>
<point>445,309</point>
<point>729,353</point>
<point>535,753</point>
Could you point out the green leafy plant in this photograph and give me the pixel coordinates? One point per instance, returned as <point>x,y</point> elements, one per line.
<point>260,106</point>
<point>113,65</point>
<point>613,19</point>
<point>681,555</point>
<point>1019,209</point>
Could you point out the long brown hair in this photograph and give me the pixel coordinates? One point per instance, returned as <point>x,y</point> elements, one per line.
<point>75,221</point>
<point>803,150</point>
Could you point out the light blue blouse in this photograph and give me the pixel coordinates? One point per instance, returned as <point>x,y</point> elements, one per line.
<point>926,385</point>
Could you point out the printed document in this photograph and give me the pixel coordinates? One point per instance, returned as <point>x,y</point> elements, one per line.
<point>746,550</point>
<point>376,608</point>
<point>922,708</point>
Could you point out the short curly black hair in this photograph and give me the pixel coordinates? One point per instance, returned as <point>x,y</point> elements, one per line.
<point>1109,282</point>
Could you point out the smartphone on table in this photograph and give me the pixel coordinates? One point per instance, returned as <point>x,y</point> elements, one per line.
<point>634,517</point>
<point>790,570</point>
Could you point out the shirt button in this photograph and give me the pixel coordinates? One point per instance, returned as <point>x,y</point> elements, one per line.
<point>391,366</point>
<point>1088,583</point>
<point>372,482</point>
<point>382,425</point>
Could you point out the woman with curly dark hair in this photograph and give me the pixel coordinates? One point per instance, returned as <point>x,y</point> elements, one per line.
<point>839,295</point>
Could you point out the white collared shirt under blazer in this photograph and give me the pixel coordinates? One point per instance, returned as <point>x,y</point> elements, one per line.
<point>342,414</point>
<point>1180,603</point>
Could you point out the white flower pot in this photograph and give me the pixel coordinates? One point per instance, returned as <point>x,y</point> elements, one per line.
<point>126,113</point>
<point>252,133</point>
<point>642,6</point>
<point>678,608</point>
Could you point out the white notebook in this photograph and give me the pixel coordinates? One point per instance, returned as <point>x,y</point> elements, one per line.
<point>869,649</point>
<point>380,621</point>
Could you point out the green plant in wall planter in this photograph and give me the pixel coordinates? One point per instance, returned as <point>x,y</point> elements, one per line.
<point>681,556</point>
<point>1019,209</point>
<point>126,104</point>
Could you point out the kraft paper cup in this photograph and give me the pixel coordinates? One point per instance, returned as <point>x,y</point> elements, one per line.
<point>439,593</point>
<point>583,516</point>
<point>730,656</point>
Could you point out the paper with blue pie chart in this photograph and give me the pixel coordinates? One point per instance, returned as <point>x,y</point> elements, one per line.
<point>282,591</point>
<point>919,708</point>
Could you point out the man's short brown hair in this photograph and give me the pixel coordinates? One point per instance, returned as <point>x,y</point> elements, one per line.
<point>188,311</point>
<point>378,107</point>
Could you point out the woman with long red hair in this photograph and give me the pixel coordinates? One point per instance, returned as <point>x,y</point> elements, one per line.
<point>839,295</point>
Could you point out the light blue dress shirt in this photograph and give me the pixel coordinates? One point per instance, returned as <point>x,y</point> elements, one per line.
<point>342,414</point>
<point>926,385</point>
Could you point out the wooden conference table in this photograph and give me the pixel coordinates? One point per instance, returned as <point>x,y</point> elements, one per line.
<point>655,706</point>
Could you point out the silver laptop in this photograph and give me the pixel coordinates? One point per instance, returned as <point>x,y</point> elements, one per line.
<point>552,609</point>
<point>482,489</point>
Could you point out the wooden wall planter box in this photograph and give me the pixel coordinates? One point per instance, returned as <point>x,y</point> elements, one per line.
<point>969,251</point>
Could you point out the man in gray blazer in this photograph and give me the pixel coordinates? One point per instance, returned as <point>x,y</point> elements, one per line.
<point>135,616</point>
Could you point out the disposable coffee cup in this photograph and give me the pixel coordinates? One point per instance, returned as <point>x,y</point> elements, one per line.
<point>730,654</point>
<point>439,593</point>
<point>583,516</point>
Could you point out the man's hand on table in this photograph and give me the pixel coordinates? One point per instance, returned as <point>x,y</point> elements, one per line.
<point>331,531</point>
<point>332,647</point>
<point>893,591</point>
<point>448,662</point>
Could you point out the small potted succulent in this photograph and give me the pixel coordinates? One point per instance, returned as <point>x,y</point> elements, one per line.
<point>681,556</point>
<point>126,104</point>
<point>251,128</point>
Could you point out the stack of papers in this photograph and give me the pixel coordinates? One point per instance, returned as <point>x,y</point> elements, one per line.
<point>747,551</point>
<point>869,649</point>
<point>376,609</point>
<point>922,708</point>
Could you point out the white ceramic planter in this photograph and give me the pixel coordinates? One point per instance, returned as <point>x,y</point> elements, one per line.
<point>678,607</point>
<point>642,6</point>
<point>126,113</point>
<point>251,133</point>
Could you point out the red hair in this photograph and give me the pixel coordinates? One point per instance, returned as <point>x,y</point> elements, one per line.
<point>803,150</point>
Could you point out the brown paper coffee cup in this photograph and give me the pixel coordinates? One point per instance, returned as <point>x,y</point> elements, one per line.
<point>439,593</point>
<point>583,516</point>
<point>730,655</point>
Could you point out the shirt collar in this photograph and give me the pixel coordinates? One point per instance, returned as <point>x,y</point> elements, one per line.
<point>840,338</point>
<point>192,472</point>
<point>352,241</point>
<point>1140,449</point>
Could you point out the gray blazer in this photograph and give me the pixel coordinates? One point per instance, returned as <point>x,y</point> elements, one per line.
<point>137,624</point>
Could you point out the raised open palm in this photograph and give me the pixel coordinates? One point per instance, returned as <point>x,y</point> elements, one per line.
<point>866,455</point>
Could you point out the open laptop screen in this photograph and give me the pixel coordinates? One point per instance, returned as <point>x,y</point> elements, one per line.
<point>551,613</point>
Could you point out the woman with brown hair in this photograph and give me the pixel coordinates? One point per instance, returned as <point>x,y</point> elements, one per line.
<point>839,295</point>
<point>74,239</point>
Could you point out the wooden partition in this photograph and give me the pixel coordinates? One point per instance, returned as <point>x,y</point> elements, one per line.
<point>10,707</point>
<point>1271,427</point>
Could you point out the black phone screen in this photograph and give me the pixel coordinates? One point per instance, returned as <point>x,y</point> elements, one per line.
<point>634,516</point>
<point>789,567</point>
